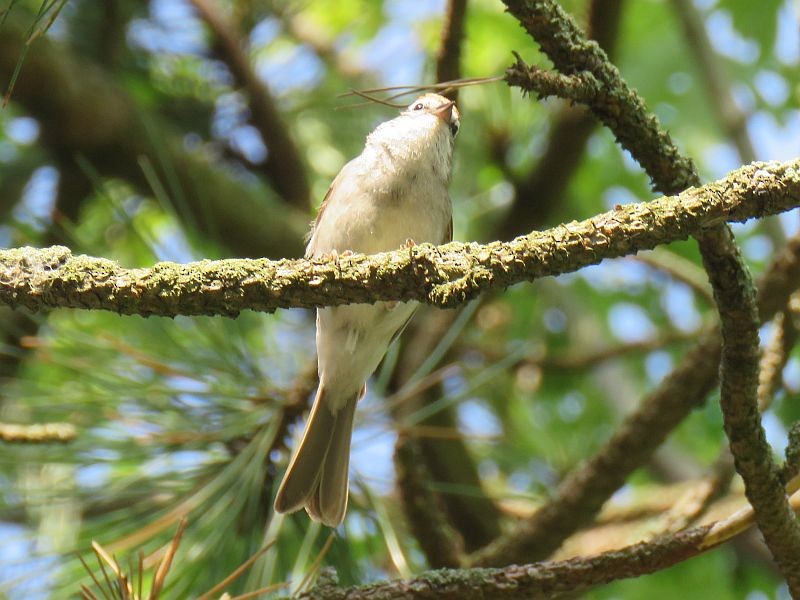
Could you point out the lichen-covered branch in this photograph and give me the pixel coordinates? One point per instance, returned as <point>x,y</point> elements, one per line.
<point>752,454</point>
<point>538,195</point>
<point>618,106</point>
<point>549,579</point>
<point>580,87</point>
<point>444,276</point>
<point>624,113</point>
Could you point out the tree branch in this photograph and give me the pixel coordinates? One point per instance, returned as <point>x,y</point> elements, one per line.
<point>752,455</point>
<point>444,276</point>
<point>580,87</point>
<point>284,166</point>
<point>549,579</point>
<point>221,205</point>
<point>448,61</point>
<point>539,194</point>
<point>624,112</point>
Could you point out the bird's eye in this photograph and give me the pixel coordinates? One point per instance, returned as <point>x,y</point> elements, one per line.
<point>418,106</point>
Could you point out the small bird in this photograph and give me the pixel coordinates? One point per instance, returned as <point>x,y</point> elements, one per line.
<point>393,194</point>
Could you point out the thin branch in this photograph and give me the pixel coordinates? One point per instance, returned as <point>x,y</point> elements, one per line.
<point>444,276</point>
<point>448,61</point>
<point>582,87</point>
<point>784,278</point>
<point>39,433</point>
<point>774,358</point>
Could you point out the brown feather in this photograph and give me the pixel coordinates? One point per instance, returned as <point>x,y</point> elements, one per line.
<point>317,476</point>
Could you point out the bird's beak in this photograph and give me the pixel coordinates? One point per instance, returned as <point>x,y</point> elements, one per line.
<point>445,111</point>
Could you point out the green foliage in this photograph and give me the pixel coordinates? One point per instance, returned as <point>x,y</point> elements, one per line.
<point>191,416</point>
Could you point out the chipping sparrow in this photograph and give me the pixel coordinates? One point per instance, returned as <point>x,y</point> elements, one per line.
<point>393,193</point>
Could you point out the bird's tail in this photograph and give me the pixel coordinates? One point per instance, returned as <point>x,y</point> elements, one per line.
<point>317,477</point>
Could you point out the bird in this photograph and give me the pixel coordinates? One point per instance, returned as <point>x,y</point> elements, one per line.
<point>393,195</point>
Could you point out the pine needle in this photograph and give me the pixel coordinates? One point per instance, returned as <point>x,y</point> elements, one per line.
<point>237,572</point>
<point>91,574</point>
<point>166,561</point>
<point>105,574</point>
<point>314,568</point>
<point>265,590</point>
<point>125,589</point>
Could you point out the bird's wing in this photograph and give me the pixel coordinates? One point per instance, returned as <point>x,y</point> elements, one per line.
<point>334,191</point>
<point>448,232</point>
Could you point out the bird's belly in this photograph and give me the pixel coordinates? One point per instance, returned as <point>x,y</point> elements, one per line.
<point>352,340</point>
<point>391,224</point>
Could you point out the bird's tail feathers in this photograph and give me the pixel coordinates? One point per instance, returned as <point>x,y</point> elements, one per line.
<point>317,477</point>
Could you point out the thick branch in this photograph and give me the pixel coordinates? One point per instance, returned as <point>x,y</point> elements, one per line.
<point>752,454</point>
<point>550,579</point>
<point>444,276</point>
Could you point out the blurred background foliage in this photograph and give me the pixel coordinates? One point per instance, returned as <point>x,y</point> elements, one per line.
<point>133,133</point>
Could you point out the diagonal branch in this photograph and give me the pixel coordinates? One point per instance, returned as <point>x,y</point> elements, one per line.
<point>284,166</point>
<point>583,492</point>
<point>538,194</point>
<point>621,109</point>
<point>444,276</point>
